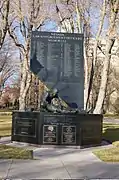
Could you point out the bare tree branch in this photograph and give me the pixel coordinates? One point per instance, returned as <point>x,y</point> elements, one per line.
<point>13,36</point>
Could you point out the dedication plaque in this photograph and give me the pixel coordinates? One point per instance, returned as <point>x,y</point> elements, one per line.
<point>25,127</point>
<point>57,59</point>
<point>50,134</point>
<point>68,134</point>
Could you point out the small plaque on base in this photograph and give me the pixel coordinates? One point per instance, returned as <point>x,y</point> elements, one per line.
<point>50,134</point>
<point>25,127</point>
<point>68,134</point>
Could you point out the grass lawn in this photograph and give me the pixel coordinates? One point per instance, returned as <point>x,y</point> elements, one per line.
<point>108,155</point>
<point>115,116</point>
<point>111,133</point>
<point>5,125</point>
<point>9,152</point>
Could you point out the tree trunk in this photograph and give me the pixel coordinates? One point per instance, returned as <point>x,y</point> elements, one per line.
<point>110,42</point>
<point>89,85</point>
<point>25,84</point>
<point>79,22</point>
<point>86,78</point>
<point>41,91</point>
<point>103,84</point>
<point>4,13</point>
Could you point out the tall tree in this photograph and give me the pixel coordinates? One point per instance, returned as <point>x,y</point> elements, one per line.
<point>77,20</point>
<point>25,17</point>
<point>4,12</point>
<point>110,39</point>
<point>8,64</point>
<point>95,49</point>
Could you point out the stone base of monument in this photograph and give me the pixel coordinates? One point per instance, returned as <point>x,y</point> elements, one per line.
<point>67,129</point>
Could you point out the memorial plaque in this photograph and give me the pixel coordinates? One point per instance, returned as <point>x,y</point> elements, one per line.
<point>25,127</point>
<point>59,119</point>
<point>54,119</point>
<point>57,59</point>
<point>68,134</point>
<point>50,134</point>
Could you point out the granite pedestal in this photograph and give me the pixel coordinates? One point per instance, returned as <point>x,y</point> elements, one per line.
<point>57,129</point>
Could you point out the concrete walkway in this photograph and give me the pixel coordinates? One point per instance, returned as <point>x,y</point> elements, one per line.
<point>5,140</point>
<point>59,163</point>
<point>111,120</point>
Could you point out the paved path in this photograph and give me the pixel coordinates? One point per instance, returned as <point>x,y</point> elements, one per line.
<point>111,120</point>
<point>5,140</point>
<point>59,163</point>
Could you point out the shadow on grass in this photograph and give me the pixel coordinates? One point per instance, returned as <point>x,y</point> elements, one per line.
<point>111,135</point>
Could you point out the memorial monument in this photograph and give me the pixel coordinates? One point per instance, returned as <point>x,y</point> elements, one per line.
<point>57,59</point>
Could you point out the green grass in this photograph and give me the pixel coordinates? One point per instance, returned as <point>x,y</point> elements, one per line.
<point>5,125</point>
<point>108,155</point>
<point>111,132</point>
<point>116,144</point>
<point>5,110</point>
<point>9,152</point>
<point>112,115</point>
